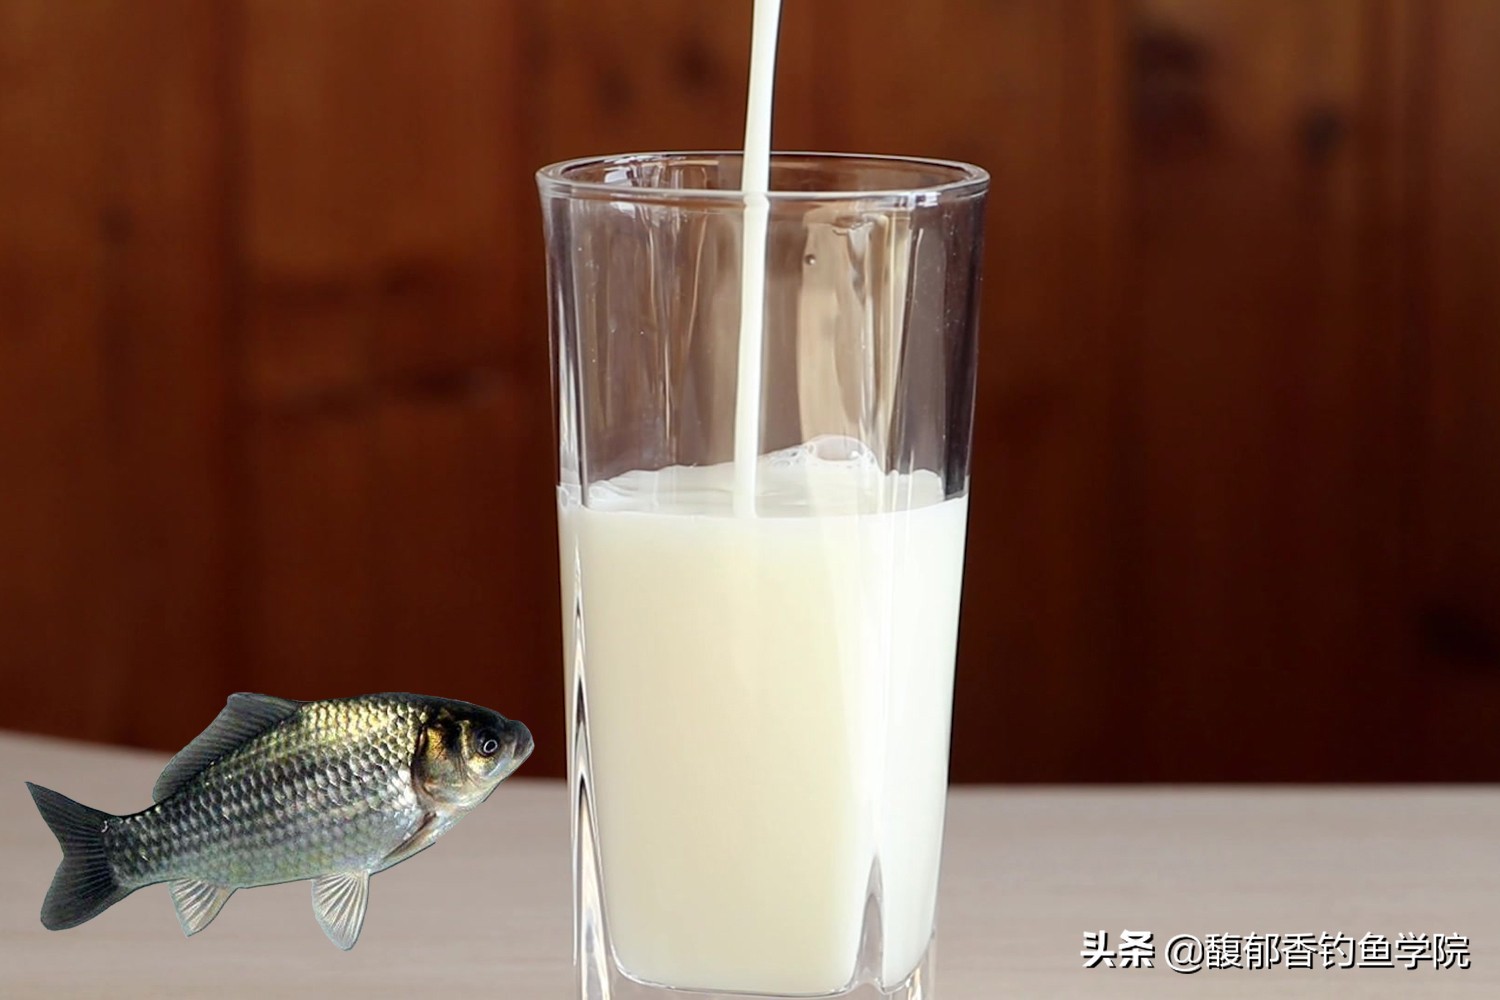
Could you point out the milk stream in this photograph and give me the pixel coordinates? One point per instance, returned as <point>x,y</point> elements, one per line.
<point>768,708</point>
<point>755,181</point>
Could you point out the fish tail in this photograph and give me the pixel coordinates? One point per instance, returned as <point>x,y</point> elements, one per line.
<point>85,885</point>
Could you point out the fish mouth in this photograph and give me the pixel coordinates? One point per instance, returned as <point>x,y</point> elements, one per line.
<point>523,745</point>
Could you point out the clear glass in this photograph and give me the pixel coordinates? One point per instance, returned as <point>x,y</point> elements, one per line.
<point>759,700</point>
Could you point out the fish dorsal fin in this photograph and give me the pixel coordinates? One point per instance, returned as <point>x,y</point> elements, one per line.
<point>339,902</point>
<point>245,717</point>
<point>198,902</point>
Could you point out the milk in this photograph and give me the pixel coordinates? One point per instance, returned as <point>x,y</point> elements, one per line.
<point>763,653</point>
<point>768,704</point>
<point>755,181</point>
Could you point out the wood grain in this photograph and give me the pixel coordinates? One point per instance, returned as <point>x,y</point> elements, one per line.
<point>274,382</point>
<point>467,589</point>
<point>376,211</point>
<point>1252,510</point>
<point>1453,690</point>
<point>309,603</point>
<point>399,449</point>
<point>113,534</point>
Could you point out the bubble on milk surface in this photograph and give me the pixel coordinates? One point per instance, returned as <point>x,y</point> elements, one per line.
<point>829,475</point>
<point>825,449</point>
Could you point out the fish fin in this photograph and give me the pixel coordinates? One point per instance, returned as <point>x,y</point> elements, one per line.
<point>243,718</point>
<point>85,884</point>
<point>198,902</point>
<point>423,837</point>
<point>339,902</point>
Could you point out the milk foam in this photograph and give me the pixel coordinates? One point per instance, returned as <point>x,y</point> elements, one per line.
<point>828,476</point>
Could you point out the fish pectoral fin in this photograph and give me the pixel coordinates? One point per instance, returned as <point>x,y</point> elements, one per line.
<point>423,837</point>
<point>198,902</point>
<point>339,902</point>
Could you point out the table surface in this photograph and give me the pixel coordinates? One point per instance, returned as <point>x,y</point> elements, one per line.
<point>1026,872</point>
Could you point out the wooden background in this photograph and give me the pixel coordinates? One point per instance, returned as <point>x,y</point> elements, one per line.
<point>274,388</point>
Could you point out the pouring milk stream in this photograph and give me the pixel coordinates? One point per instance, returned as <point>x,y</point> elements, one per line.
<point>755,181</point>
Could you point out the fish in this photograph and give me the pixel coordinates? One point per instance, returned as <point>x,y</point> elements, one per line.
<point>276,790</point>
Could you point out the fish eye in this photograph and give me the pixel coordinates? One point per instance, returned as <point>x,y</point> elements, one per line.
<point>487,743</point>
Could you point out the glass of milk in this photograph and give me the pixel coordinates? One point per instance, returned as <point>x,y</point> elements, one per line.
<point>760,641</point>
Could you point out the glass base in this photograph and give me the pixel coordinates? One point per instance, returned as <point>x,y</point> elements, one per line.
<point>599,980</point>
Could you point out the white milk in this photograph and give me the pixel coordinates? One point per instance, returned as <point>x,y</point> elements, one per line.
<point>767,650</point>
<point>768,702</point>
<point>755,181</point>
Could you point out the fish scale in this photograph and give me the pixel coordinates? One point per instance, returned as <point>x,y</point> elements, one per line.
<point>277,791</point>
<point>219,829</point>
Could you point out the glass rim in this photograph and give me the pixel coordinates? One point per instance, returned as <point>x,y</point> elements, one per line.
<point>555,180</point>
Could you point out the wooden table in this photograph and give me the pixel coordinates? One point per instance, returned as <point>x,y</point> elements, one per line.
<point>1026,873</point>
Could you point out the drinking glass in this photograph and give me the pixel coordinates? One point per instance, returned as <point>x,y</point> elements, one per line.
<point>759,652</point>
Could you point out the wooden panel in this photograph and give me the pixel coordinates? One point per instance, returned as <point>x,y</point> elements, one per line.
<point>1378,741</point>
<point>407,544</point>
<point>1252,507</point>
<point>1031,92</point>
<point>58,504</point>
<point>308,607</point>
<point>619,76</point>
<point>1453,694</point>
<point>378,165</point>
<point>273,364</point>
<point>380,204</point>
<point>466,600</point>
<point>112,372</point>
